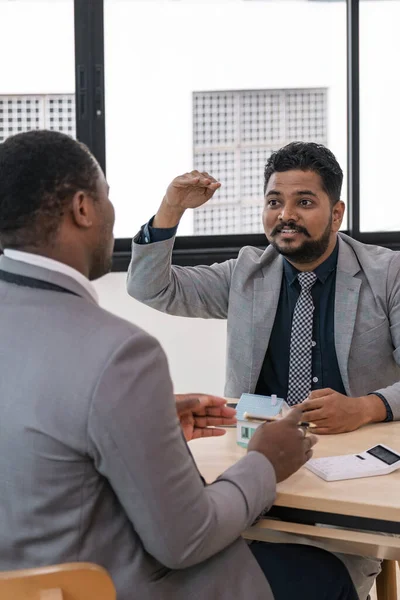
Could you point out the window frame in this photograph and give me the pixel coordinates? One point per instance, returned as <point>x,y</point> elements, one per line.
<point>206,249</point>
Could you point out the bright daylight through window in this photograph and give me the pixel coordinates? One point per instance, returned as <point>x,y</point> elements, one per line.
<point>178,100</point>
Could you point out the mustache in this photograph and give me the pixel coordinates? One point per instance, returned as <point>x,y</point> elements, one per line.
<point>289,225</point>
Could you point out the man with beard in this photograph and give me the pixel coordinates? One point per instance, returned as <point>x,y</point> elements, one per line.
<point>315,318</point>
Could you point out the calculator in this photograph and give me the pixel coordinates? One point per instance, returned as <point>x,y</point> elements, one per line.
<point>378,460</point>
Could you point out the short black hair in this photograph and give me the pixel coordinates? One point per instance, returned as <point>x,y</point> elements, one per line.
<point>308,156</point>
<point>40,171</point>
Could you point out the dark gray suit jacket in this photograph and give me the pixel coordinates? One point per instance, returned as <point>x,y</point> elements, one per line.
<point>245,291</point>
<point>93,464</point>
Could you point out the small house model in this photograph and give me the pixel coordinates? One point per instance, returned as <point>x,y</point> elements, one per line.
<point>263,407</point>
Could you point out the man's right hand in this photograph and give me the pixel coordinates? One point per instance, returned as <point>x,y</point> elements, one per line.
<point>186,191</point>
<point>284,443</point>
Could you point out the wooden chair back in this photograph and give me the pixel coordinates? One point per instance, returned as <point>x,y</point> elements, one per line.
<point>70,581</point>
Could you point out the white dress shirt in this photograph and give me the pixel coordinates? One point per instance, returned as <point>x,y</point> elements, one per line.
<point>53,265</point>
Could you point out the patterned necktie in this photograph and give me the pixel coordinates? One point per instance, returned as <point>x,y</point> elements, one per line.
<point>300,361</point>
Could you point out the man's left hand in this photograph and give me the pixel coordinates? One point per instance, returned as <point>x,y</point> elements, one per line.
<point>332,412</point>
<point>200,415</point>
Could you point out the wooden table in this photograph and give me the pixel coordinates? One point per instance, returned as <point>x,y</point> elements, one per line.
<point>371,504</point>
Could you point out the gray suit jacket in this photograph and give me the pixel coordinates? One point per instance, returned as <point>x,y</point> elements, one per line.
<point>93,464</point>
<point>246,292</point>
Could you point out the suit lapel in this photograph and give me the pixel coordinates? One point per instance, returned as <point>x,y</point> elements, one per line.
<point>266,293</point>
<point>346,302</point>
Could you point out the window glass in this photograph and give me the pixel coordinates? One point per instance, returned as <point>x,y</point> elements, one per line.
<point>217,86</point>
<point>37,83</point>
<point>379,115</point>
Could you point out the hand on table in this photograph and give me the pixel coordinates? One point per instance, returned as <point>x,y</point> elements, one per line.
<point>200,415</point>
<point>332,412</point>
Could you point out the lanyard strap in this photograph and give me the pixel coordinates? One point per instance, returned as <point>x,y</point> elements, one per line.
<point>31,282</point>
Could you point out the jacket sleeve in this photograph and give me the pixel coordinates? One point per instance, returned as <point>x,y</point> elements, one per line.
<point>183,291</point>
<point>392,392</point>
<point>136,442</point>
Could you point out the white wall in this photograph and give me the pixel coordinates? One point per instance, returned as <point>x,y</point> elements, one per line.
<point>195,347</point>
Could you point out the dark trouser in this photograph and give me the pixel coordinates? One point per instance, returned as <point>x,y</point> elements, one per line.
<point>303,572</point>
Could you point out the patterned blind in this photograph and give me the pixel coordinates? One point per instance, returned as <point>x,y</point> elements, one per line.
<point>234,133</point>
<point>23,113</point>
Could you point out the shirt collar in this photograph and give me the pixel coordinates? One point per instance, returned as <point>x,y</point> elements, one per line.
<point>322,271</point>
<point>52,265</point>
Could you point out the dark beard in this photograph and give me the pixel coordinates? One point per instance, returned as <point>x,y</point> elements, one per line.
<point>309,251</point>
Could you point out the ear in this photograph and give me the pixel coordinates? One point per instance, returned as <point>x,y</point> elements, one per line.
<point>337,215</point>
<point>82,210</point>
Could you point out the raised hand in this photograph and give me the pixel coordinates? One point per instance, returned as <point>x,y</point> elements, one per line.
<point>190,190</point>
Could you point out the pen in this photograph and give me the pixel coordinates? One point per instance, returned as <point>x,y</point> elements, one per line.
<point>250,417</point>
